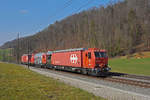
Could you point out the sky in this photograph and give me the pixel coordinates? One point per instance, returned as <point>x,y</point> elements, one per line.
<point>28,17</point>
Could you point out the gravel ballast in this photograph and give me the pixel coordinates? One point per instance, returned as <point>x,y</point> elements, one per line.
<point>108,90</point>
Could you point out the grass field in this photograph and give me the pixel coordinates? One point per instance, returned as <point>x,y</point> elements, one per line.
<point>5,55</point>
<point>131,66</point>
<point>18,83</point>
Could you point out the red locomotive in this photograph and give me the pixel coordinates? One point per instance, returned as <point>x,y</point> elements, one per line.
<point>87,61</point>
<point>31,61</point>
<point>91,61</point>
<point>25,58</point>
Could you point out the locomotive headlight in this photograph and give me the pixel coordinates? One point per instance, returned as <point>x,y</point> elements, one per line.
<point>108,68</point>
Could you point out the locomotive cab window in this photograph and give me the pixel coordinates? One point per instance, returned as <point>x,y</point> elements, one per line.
<point>100,54</point>
<point>89,55</point>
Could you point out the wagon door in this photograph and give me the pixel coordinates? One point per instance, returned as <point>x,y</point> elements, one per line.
<point>48,59</point>
<point>87,60</point>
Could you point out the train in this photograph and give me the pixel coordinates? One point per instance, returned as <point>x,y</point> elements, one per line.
<point>91,61</point>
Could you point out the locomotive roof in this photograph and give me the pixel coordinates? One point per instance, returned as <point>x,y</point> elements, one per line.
<point>26,54</point>
<point>49,52</point>
<point>76,49</point>
<point>39,54</point>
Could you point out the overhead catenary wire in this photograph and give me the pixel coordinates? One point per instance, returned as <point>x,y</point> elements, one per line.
<point>84,5</point>
<point>89,1</point>
<point>67,4</point>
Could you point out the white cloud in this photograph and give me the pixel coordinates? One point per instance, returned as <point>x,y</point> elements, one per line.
<point>23,11</point>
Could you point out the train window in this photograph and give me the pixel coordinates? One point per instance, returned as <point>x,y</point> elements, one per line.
<point>100,54</point>
<point>97,54</point>
<point>89,55</point>
<point>103,54</point>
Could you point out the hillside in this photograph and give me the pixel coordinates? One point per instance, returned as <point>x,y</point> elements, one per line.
<point>121,29</point>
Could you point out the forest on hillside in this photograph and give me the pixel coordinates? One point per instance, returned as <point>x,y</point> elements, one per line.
<point>120,28</point>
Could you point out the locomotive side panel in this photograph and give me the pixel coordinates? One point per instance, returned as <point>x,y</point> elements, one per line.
<point>72,59</point>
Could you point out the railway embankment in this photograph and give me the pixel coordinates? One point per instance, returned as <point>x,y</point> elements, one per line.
<point>19,83</point>
<point>99,87</point>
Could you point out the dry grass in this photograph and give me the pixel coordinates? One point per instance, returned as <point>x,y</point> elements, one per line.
<point>138,55</point>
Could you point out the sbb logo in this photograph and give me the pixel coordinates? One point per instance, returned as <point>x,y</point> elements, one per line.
<point>73,58</point>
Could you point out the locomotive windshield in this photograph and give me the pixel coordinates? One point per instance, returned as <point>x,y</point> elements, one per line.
<point>100,54</point>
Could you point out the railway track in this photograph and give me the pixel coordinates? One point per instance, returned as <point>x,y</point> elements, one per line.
<point>129,76</point>
<point>138,77</point>
<point>129,82</point>
<point>118,79</point>
<point>133,82</point>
